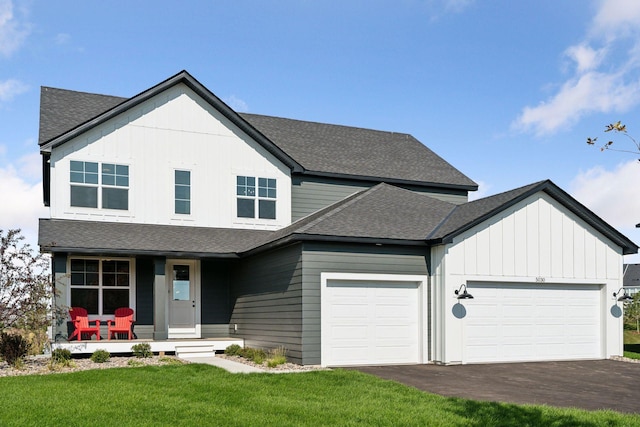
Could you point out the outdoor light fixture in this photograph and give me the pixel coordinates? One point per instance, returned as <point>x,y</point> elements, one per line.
<point>624,297</point>
<point>463,294</point>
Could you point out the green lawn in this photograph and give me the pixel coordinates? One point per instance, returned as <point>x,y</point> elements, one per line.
<point>204,395</point>
<point>631,344</point>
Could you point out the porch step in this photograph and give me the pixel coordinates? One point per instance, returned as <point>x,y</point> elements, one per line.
<point>206,350</point>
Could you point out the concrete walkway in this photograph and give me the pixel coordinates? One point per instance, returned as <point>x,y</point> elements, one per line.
<point>229,365</point>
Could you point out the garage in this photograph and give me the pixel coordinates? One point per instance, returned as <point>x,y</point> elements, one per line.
<point>517,322</point>
<point>371,321</point>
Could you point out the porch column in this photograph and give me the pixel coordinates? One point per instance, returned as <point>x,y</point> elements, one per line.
<point>160,331</point>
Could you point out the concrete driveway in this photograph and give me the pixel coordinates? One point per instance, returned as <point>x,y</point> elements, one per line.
<point>591,384</point>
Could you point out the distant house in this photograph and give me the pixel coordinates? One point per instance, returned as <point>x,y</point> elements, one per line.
<point>631,280</point>
<point>347,246</point>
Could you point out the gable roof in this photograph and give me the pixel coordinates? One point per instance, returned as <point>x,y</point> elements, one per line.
<point>631,275</point>
<point>470,214</point>
<point>306,147</point>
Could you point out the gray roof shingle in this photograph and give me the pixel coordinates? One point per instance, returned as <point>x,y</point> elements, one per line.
<point>320,148</point>
<point>59,235</point>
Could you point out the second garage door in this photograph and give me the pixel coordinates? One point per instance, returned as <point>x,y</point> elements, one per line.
<point>370,322</point>
<point>528,322</point>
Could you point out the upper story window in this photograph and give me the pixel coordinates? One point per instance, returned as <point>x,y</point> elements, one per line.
<point>247,198</point>
<point>113,183</point>
<point>182,192</point>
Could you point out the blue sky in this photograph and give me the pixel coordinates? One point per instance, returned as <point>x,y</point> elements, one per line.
<point>506,91</point>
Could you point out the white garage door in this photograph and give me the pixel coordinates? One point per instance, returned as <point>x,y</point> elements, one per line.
<point>524,322</point>
<point>370,322</point>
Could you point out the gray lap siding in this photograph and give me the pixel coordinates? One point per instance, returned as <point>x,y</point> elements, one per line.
<point>318,258</point>
<point>266,301</point>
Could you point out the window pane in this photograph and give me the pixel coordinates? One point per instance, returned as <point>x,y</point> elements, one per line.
<point>108,266</point>
<point>91,178</point>
<point>77,177</point>
<point>114,298</point>
<point>183,177</point>
<point>86,197</point>
<point>183,192</point>
<point>122,170</point>
<point>122,181</point>
<point>183,207</point>
<point>108,279</point>
<point>77,279</point>
<point>108,179</point>
<point>267,188</point>
<point>115,198</point>
<point>86,298</point>
<point>91,167</point>
<point>267,209</point>
<point>246,208</point>
<point>108,168</point>
<point>76,166</point>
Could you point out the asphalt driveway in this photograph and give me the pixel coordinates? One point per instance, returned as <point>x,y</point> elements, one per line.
<point>592,384</point>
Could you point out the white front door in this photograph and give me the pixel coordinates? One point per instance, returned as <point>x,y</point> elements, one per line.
<point>184,299</point>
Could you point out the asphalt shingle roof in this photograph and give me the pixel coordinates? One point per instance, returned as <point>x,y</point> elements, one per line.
<point>319,148</point>
<point>113,237</point>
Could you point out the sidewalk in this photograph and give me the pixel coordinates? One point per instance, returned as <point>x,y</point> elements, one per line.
<point>229,365</point>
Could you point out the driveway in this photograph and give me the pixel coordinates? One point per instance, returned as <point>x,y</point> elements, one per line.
<point>591,384</point>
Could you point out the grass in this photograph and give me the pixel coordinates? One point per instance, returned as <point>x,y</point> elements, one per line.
<point>204,395</point>
<point>631,344</point>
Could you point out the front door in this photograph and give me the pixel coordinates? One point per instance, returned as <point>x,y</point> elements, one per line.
<point>183,299</point>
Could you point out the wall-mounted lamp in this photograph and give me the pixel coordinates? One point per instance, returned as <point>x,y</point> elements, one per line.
<point>624,297</point>
<point>463,294</point>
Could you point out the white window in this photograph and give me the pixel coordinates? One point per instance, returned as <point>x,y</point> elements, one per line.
<point>100,285</point>
<point>247,198</point>
<point>108,189</point>
<point>182,192</point>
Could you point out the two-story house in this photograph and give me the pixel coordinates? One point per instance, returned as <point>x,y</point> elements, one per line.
<point>346,246</point>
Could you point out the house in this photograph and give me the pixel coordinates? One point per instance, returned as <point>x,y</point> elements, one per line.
<point>347,246</point>
<point>631,278</point>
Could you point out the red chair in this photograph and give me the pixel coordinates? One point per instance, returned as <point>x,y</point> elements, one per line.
<point>82,325</point>
<point>122,324</point>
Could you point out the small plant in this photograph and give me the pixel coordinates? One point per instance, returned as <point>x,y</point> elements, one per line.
<point>61,356</point>
<point>256,355</point>
<point>134,363</point>
<point>232,350</point>
<point>171,360</point>
<point>142,349</point>
<point>100,356</point>
<point>277,356</point>
<point>13,348</point>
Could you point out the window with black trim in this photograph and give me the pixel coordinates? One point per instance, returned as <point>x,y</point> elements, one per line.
<point>86,181</point>
<point>100,285</point>
<point>248,198</point>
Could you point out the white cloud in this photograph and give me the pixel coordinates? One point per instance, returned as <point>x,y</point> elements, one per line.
<point>22,197</point>
<point>483,191</point>
<point>456,6</point>
<point>237,104</point>
<point>613,195</point>
<point>10,88</point>
<point>606,74</point>
<point>13,31</point>
<point>62,38</point>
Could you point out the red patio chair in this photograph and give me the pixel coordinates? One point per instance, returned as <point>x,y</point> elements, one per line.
<point>82,325</point>
<point>122,324</point>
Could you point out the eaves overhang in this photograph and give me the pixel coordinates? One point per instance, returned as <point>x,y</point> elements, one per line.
<point>396,181</point>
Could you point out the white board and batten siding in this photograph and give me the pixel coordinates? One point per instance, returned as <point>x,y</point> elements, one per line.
<point>175,130</point>
<point>373,319</point>
<point>542,281</point>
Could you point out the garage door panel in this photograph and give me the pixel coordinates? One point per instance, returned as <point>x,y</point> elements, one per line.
<point>370,322</point>
<point>525,322</point>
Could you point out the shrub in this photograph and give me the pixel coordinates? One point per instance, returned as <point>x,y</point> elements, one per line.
<point>277,356</point>
<point>142,349</point>
<point>61,356</point>
<point>134,363</point>
<point>256,355</point>
<point>100,356</point>
<point>232,350</point>
<point>13,348</point>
